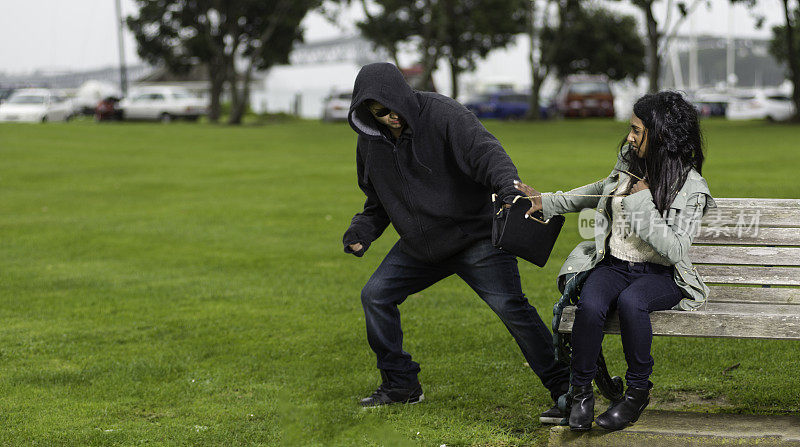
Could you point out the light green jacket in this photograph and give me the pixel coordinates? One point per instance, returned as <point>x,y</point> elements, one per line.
<point>670,237</point>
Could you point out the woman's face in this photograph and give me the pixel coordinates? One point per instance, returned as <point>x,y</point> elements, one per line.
<point>637,136</point>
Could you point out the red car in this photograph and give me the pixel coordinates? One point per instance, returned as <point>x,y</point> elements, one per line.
<point>585,95</point>
<point>108,110</point>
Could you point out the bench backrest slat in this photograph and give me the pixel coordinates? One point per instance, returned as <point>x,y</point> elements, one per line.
<point>738,255</point>
<point>734,202</point>
<point>754,245</point>
<point>748,274</point>
<point>731,213</point>
<point>764,236</point>
<point>771,217</point>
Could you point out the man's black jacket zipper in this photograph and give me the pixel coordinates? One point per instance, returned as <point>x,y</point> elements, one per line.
<point>407,192</point>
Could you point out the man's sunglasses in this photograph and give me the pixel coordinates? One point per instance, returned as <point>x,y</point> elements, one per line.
<point>383,111</point>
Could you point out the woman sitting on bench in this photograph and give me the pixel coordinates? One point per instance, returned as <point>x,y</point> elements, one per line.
<point>647,212</point>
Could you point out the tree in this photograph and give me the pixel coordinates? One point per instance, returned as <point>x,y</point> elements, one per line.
<point>539,70</point>
<point>653,40</point>
<point>658,40</point>
<point>785,47</point>
<point>232,37</point>
<point>262,34</point>
<point>462,31</point>
<point>593,40</point>
<point>582,40</point>
<point>476,27</point>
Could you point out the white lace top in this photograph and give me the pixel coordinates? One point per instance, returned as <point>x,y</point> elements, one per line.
<point>624,243</point>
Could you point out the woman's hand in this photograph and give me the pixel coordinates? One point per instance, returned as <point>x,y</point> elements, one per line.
<point>535,197</point>
<point>640,185</point>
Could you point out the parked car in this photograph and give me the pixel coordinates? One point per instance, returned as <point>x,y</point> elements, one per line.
<point>336,106</point>
<point>36,105</point>
<point>585,95</point>
<point>5,93</point>
<point>710,103</point>
<point>504,104</point>
<point>108,109</point>
<point>761,104</point>
<point>162,103</point>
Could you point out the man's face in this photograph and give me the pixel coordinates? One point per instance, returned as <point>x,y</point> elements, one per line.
<point>637,136</point>
<point>388,118</point>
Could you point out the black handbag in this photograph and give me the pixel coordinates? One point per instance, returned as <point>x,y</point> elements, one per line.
<point>529,239</point>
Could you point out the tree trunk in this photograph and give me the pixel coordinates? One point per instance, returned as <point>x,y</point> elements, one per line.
<point>793,59</point>
<point>393,53</point>
<point>233,88</point>
<point>431,45</point>
<point>654,68</point>
<point>429,65</point>
<point>533,111</point>
<point>537,76</point>
<point>242,98</point>
<point>217,80</point>
<point>234,117</point>
<point>455,70</point>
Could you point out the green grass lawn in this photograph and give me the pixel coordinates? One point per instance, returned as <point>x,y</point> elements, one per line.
<point>185,285</point>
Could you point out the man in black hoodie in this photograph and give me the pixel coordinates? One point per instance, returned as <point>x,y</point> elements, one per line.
<point>429,167</point>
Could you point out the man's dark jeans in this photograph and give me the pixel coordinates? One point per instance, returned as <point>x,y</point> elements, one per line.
<point>634,289</point>
<point>492,273</point>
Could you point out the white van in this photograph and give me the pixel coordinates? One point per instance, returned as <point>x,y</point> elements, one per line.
<point>36,105</point>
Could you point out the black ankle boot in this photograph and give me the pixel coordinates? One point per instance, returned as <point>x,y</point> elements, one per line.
<point>627,411</point>
<point>582,413</point>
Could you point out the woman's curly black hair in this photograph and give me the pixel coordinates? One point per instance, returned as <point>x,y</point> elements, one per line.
<point>674,144</point>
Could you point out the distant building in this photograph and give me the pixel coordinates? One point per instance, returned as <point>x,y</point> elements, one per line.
<point>195,80</point>
<point>753,65</point>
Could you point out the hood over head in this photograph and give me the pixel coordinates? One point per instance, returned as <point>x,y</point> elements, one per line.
<point>382,82</point>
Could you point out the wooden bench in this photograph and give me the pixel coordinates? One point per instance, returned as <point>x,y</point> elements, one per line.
<point>748,253</point>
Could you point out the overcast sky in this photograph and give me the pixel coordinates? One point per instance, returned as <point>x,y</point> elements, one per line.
<point>82,34</point>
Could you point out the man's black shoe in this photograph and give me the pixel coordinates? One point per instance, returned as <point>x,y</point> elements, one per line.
<point>386,396</point>
<point>554,416</point>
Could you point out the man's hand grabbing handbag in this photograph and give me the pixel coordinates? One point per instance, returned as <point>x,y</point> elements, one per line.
<point>531,239</point>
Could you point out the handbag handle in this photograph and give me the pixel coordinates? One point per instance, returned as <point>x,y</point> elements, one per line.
<point>529,216</point>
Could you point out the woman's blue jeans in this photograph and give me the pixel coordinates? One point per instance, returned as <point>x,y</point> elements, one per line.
<point>491,273</point>
<point>634,289</point>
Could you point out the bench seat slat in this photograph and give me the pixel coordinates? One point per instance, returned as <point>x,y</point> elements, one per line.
<point>706,254</point>
<point>752,308</point>
<point>769,295</point>
<point>707,324</point>
<point>735,308</point>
